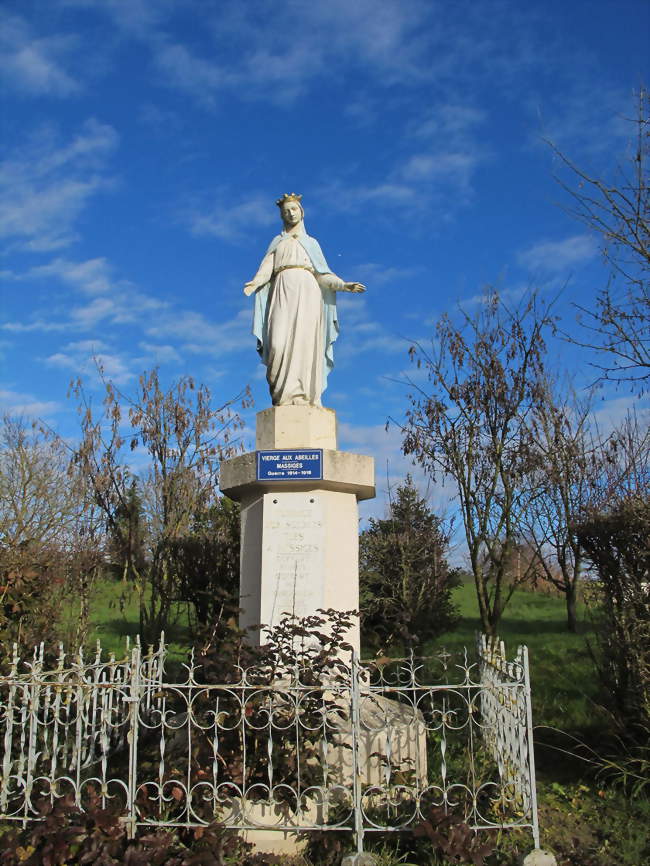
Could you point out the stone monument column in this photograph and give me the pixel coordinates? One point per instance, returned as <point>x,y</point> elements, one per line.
<point>299,517</point>
<point>298,492</point>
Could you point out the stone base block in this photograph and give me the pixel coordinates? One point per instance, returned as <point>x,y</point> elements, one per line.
<point>362,859</point>
<point>266,818</point>
<point>539,857</point>
<point>392,741</point>
<point>295,427</point>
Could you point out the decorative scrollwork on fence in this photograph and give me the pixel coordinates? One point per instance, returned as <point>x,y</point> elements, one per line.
<point>372,748</point>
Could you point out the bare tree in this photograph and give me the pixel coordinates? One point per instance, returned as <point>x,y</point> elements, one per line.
<point>50,539</point>
<point>37,501</point>
<point>179,440</point>
<point>618,211</point>
<point>471,423</point>
<point>615,533</point>
<point>564,482</point>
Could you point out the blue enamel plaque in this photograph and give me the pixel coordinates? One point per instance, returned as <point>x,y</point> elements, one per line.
<point>301,465</point>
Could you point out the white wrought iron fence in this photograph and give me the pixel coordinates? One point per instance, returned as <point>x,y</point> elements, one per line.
<point>371,749</point>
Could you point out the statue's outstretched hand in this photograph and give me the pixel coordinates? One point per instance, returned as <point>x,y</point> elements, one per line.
<point>354,287</point>
<point>250,287</point>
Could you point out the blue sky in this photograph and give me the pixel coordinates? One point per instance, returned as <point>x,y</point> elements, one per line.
<point>146,141</point>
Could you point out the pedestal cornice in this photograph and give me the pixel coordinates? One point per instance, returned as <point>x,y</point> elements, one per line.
<point>343,472</point>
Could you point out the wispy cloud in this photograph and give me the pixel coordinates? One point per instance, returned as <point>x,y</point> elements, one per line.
<point>276,55</point>
<point>106,304</point>
<point>17,403</point>
<point>438,157</point>
<point>554,257</point>
<point>121,308</point>
<point>507,293</point>
<point>197,334</point>
<point>612,412</point>
<point>354,198</point>
<point>34,65</point>
<point>229,218</point>
<point>136,17</point>
<point>92,277</point>
<point>37,324</point>
<point>364,333</point>
<point>45,186</point>
<point>187,71</point>
<point>160,353</point>
<point>105,298</point>
<point>375,274</point>
<point>82,358</point>
<point>391,467</point>
<point>581,117</point>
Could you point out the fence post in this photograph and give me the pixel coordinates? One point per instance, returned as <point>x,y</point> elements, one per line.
<point>133,699</point>
<point>32,736</point>
<point>531,747</point>
<point>9,712</point>
<point>356,770</point>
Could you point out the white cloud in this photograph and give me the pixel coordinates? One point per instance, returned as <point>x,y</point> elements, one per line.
<point>374,274</point>
<point>391,467</point>
<point>364,333</point>
<point>200,336</point>
<point>16,403</point>
<point>85,347</point>
<point>34,65</point>
<point>91,277</point>
<point>449,134</point>
<point>612,412</point>
<point>448,120</point>
<point>120,308</point>
<point>583,117</point>
<point>38,324</point>
<point>435,174</point>
<point>113,301</point>
<point>88,315</point>
<point>552,257</point>
<point>136,17</point>
<point>506,293</point>
<point>230,218</point>
<point>280,52</point>
<point>353,198</point>
<point>82,359</point>
<point>186,71</point>
<point>161,354</point>
<point>45,186</point>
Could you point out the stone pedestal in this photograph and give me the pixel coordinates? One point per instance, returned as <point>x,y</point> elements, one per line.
<point>299,538</point>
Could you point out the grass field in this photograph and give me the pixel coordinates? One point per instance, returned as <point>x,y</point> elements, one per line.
<point>562,672</point>
<point>114,617</point>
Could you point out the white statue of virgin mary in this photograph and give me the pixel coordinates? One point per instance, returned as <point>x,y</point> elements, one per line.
<point>295,319</point>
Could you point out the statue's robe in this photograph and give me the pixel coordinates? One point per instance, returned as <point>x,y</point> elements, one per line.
<point>295,320</point>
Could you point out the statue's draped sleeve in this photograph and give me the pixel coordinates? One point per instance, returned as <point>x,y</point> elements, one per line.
<point>328,282</point>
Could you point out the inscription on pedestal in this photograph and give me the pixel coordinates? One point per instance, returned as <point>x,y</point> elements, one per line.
<point>283,465</point>
<point>293,555</point>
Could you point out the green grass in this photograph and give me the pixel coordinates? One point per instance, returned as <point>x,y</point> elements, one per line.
<point>562,673</point>
<point>114,617</point>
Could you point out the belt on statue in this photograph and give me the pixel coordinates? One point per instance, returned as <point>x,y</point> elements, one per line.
<point>290,267</point>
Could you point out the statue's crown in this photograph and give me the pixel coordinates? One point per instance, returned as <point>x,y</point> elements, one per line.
<point>291,196</point>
